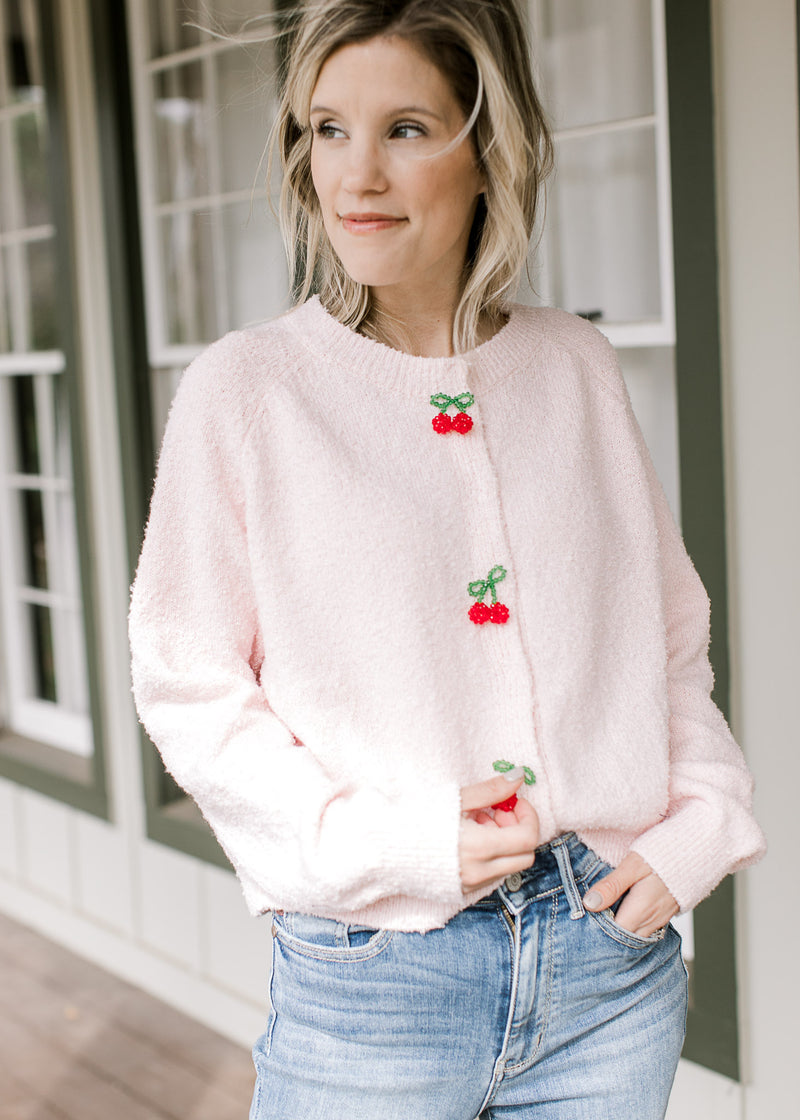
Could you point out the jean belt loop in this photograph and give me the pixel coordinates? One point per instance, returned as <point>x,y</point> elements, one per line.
<point>561,852</point>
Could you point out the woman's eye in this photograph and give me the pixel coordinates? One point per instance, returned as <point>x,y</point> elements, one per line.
<point>327,131</point>
<point>407,130</point>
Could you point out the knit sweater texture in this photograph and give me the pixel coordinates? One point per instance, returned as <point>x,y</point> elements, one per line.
<point>304,659</point>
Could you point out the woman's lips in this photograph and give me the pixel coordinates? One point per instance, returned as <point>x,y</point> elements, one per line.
<point>369,223</point>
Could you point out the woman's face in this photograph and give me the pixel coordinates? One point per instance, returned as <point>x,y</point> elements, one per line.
<point>397,211</point>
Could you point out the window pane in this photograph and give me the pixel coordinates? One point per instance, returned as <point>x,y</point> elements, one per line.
<point>67,578</point>
<point>246,93</point>
<point>29,287</point>
<point>73,691</point>
<point>35,548</point>
<point>30,143</point>
<point>43,331</point>
<point>181,155</point>
<point>15,297</point>
<point>596,60</point>
<point>43,660</point>
<point>26,460</point>
<point>188,262</point>
<point>171,22</point>
<point>257,279</point>
<point>62,451</point>
<point>21,58</point>
<point>163,386</point>
<point>605,228</point>
<point>169,26</point>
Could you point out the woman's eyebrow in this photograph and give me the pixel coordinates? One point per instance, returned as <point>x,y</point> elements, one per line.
<point>401,111</point>
<point>418,110</point>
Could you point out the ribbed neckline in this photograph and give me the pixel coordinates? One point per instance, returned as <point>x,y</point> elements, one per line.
<point>512,346</point>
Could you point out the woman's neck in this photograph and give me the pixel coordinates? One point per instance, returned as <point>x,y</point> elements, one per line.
<point>418,327</point>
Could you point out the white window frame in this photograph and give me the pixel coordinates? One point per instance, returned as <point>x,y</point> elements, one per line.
<point>661,330</point>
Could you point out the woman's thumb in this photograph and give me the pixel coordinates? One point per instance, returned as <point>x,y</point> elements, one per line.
<point>482,795</point>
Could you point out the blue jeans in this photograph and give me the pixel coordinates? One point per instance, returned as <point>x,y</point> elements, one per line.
<point>524,1005</point>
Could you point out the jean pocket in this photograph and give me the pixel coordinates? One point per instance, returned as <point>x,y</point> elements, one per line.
<point>606,919</point>
<point>607,923</point>
<point>328,939</point>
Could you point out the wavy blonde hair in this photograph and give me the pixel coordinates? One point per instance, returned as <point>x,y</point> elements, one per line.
<point>481,49</point>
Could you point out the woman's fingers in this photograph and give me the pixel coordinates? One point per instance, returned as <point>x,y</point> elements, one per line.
<point>646,907</point>
<point>494,846</point>
<point>477,872</point>
<point>647,904</point>
<point>485,794</point>
<point>490,852</point>
<point>522,812</point>
<point>606,891</point>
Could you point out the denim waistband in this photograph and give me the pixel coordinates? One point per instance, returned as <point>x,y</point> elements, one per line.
<point>560,865</point>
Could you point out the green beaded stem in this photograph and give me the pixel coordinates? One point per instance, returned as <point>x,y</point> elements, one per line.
<point>502,766</point>
<point>479,587</point>
<point>443,402</point>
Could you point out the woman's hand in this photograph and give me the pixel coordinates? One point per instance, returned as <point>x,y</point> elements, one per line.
<point>492,847</point>
<point>646,907</point>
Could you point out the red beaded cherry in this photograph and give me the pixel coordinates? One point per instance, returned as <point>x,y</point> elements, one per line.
<point>442,423</point>
<point>462,423</point>
<point>498,613</point>
<point>479,589</point>
<point>507,805</point>
<point>479,613</point>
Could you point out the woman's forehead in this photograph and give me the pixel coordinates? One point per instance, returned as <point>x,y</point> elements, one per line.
<point>386,70</point>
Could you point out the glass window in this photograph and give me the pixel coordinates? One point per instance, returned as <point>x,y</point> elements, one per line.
<point>606,248</point>
<point>205,95</point>
<point>44,674</point>
<point>597,63</point>
<point>603,225</point>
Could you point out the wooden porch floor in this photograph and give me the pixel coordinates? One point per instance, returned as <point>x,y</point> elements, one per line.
<point>76,1043</point>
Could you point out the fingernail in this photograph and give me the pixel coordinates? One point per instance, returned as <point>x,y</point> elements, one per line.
<point>593,900</point>
<point>515,774</point>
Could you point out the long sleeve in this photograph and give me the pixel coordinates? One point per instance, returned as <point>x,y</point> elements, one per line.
<point>709,829</point>
<point>299,835</point>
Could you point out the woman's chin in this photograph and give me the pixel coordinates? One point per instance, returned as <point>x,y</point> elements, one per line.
<point>371,276</point>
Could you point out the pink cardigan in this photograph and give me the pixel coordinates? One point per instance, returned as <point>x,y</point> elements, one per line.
<point>303,652</point>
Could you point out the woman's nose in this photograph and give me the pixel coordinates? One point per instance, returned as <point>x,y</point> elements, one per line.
<point>365,169</point>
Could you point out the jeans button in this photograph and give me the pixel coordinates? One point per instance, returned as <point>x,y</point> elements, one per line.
<point>513,882</point>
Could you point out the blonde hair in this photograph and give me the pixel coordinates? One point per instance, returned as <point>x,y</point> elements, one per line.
<point>481,49</point>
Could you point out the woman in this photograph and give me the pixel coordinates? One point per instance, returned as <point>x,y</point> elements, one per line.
<point>414,626</point>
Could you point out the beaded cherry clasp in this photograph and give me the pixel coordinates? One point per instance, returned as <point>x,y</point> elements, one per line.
<point>461,422</point>
<point>479,612</point>
<point>502,767</point>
